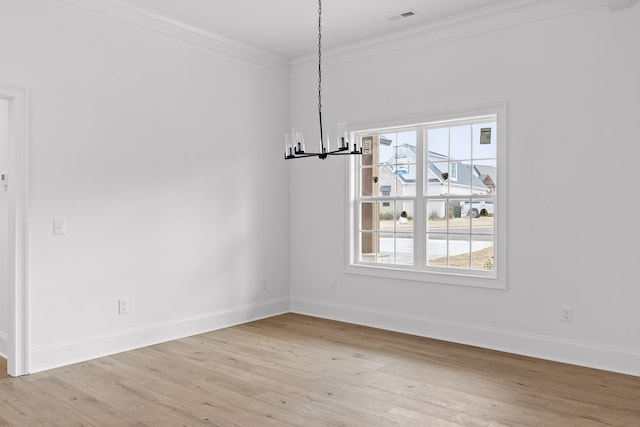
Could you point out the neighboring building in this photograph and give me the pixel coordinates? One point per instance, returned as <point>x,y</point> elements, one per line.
<point>397,178</point>
<point>487,175</point>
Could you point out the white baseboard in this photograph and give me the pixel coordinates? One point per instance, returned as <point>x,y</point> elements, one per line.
<point>4,344</point>
<point>613,359</point>
<point>67,353</point>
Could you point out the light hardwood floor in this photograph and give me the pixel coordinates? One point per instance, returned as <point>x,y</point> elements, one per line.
<point>3,368</point>
<point>303,371</point>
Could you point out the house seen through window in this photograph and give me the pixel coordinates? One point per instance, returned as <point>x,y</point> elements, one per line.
<point>426,198</point>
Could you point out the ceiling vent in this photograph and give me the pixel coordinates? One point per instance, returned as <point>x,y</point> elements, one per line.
<point>406,14</point>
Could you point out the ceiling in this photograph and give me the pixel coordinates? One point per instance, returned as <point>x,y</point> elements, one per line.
<point>290,27</point>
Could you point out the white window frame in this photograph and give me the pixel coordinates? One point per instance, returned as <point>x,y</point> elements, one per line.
<point>496,279</point>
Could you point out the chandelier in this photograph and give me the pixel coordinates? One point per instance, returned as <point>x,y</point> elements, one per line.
<point>294,147</point>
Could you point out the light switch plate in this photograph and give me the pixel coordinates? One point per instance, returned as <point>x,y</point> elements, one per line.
<point>59,227</point>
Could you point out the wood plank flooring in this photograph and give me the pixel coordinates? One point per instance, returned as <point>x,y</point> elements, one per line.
<point>3,368</point>
<point>302,371</point>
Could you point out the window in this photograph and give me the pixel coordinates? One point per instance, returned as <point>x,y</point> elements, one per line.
<point>427,201</point>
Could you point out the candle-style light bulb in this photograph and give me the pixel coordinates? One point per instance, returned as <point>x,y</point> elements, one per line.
<point>294,139</point>
<point>345,135</point>
<point>341,135</point>
<point>287,144</point>
<point>302,147</point>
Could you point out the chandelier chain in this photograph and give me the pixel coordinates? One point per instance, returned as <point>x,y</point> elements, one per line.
<point>320,66</point>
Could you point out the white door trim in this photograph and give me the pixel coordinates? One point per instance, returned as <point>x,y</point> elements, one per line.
<point>18,175</point>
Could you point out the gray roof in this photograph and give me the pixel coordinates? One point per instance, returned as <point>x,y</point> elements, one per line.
<point>465,176</point>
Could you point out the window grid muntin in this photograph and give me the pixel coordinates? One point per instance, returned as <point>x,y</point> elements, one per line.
<point>377,233</point>
<point>447,196</point>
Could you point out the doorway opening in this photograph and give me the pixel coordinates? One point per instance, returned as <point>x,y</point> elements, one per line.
<point>4,236</point>
<point>14,161</point>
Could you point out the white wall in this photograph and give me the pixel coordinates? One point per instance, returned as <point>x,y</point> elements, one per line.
<point>162,159</point>
<point>4,284</point>
<point>573,93</point>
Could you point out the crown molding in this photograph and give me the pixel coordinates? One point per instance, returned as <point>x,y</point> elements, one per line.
<point>486,20</point>
<point>493,18</point>
<point>186,35</point>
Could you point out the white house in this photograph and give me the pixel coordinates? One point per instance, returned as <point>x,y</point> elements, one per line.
<point>397,177</point>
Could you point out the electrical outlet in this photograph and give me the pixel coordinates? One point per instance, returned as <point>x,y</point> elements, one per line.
<point>123,306</point>
<point>333,284</point>
<point>567,313</point>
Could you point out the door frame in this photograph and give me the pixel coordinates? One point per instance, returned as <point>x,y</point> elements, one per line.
<point>18,201</point>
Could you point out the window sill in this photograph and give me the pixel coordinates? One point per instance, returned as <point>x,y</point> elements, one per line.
<point>459,278</point>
